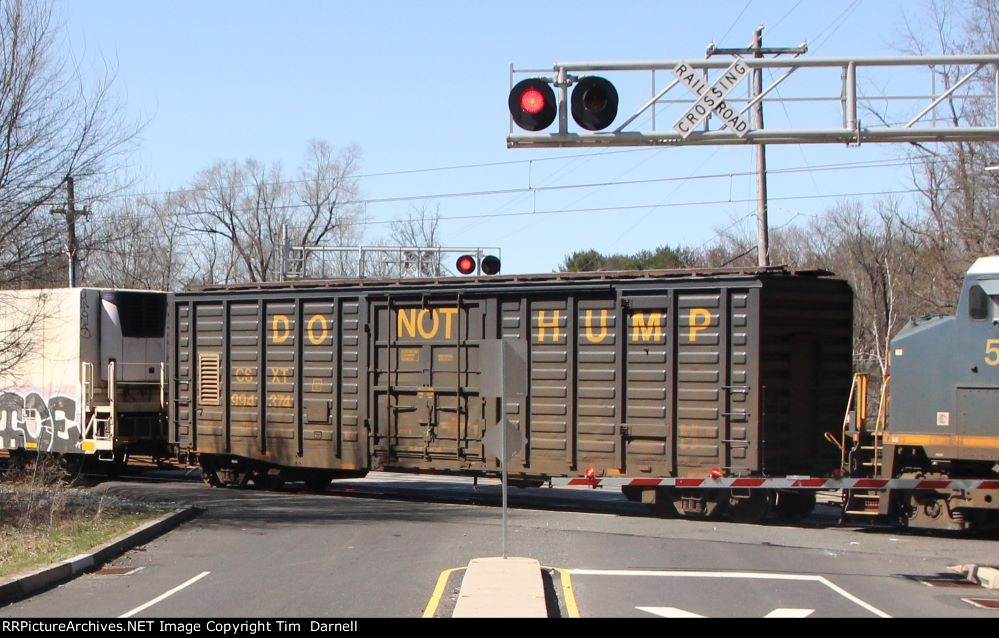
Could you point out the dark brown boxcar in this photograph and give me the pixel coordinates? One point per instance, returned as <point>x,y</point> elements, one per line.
<point>645,374</point>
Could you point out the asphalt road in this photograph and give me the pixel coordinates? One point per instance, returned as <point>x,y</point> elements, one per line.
<point>376,547</point>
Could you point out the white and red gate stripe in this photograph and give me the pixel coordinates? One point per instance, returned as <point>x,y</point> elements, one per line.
<point>783,483</point>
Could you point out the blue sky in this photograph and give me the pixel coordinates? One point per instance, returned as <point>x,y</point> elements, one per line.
<point>420,85</point>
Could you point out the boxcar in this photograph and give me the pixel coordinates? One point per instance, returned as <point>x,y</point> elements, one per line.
<point>668,373</point>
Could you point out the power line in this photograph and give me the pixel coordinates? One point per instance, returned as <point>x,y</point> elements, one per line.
<point>565,170</point>
<point>734,22</point>
<point>633,207</point>
<point>405,171</point>
<point>563,187</point>
<point>841,19</point>
<point>784,17</point>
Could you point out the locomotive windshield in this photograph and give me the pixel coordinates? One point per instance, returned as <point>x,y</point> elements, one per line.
<point>981,297</point>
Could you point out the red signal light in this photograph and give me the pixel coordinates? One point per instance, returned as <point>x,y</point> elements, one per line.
<point>532,104</point>
<point>532,101</point>
<point>465,264</point>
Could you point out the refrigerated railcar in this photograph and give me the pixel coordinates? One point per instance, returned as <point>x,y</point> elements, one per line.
<point>82,373</point>
<point>668,373</point>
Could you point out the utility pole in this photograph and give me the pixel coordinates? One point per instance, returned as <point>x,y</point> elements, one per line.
<point>71,214</point>
<point>762,225</point>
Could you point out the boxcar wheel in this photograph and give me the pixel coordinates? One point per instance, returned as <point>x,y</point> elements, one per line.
<point>318,481</point>
<point>115,468</point>
<point>697,503</point>
<point>752,509</point>
<point>72,465</point>
<point>794,507</point>
<point>237,476</point>
<point>208,475</point>
<point>268,478</point>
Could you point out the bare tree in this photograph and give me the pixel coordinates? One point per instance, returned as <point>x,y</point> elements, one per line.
<point>52,125</point>
<point>960,220</point>
<point>137,243</point>
<point>420,230</point>
<point>236,212</point>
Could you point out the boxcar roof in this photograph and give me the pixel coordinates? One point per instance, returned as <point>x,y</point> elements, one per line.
<point>607,275</point>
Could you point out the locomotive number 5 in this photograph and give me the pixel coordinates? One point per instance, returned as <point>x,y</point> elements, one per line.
<point>992,352</point>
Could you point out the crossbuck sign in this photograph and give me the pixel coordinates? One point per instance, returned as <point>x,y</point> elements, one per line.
<point>711,98</point>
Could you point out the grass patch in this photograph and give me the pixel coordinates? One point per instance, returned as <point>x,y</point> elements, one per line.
<point>23,551</point>
<point>45,520</point>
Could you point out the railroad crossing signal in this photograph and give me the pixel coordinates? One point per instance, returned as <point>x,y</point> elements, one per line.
<point>594,102</point>
<point>533,105</point>
<point>711,99</point>
<point>490,265</point>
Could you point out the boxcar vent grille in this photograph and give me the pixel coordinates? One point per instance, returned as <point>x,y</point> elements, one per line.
<point>209,392</point>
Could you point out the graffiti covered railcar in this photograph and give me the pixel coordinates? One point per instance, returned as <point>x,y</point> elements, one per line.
<point>82,372</point>
<point>663,373</point>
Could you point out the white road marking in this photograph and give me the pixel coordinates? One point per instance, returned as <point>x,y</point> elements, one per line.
<point>781,612</point>
<point>163,596</point>
<point>670,612</point>
<point>734,575</point>
<point>975,603</point>
<point>674,612</point>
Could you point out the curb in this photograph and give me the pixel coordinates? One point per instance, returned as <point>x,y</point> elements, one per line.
<point>24,585</point>
<point>987,577</point>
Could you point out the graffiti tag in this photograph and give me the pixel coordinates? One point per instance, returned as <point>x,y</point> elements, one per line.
<point>49,424</point>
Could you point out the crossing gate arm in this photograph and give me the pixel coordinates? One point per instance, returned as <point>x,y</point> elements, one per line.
<point>782,483</point>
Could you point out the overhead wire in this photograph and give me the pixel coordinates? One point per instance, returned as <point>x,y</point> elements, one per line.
<point>632,207</point>
<point>407,171</point>
<point>835,24</point>
<point>784,17</point>
<point>494,192</point>
<point>736,20</point>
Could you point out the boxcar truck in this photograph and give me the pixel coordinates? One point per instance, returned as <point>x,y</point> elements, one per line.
<point>81,373</point>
